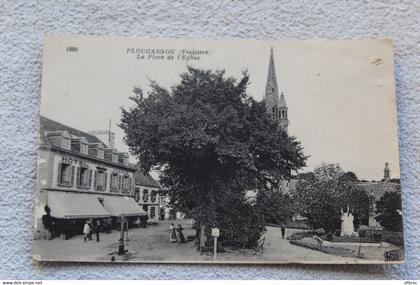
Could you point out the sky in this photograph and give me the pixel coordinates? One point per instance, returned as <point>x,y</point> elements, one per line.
<point>340,94</point>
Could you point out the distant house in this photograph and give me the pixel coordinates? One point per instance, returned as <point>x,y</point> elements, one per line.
<point>166,211</point>
<point>146,194</point>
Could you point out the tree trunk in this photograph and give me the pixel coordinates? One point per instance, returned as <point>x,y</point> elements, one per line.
<point>203,238</point>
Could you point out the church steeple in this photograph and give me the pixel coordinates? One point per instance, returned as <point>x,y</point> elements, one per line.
<point>275,105</point>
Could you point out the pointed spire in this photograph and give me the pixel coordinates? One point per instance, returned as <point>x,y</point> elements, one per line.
<point>271,89</point>
<point>282,103</point>
<point>275,105</point>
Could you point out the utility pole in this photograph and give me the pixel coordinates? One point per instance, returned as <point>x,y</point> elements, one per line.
<point>121,250</point>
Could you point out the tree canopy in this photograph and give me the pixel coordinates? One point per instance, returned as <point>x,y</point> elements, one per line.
<point>389,210</point>
<point>321,196</point>
<point>211,141</point>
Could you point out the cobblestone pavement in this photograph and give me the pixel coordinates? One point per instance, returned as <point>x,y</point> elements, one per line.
<point>152,244</point>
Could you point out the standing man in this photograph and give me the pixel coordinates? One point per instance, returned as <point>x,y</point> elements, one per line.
<point>97,229</point>
<point>283,231</point>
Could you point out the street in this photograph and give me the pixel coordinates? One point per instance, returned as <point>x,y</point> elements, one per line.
<point>152,244</point>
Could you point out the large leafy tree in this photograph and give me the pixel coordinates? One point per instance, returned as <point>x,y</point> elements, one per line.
<point>322,195</point>
<point>276,207</point>
<point>390,211</point>
<point>211,143</point>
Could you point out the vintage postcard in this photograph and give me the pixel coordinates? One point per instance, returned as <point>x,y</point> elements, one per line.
<point>217,151</point>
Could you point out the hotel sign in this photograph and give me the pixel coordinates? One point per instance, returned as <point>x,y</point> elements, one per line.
<point>71,160</point>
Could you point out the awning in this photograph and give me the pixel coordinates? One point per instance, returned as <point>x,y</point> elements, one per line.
<point>67,205</point>
<point>117,206</point>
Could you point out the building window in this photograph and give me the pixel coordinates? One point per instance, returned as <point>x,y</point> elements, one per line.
<point>100,179</point>
<point>65,143</point>
<point>145,195</point>
<point>153,195</point>
<point>114,181</point>
<point>152,212</point>
<point>84,177</point>
<point>126,183</point>
<point>101,153</point>
<point>114,158</point>
<point>83,148</point>
<point>65,174</point>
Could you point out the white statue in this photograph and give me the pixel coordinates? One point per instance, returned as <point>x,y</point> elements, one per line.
<point>347,227</point>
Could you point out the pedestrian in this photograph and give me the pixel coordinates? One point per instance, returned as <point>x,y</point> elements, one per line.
<point>97,229</point>
<point>181,238</point>
<point>283,231</point>
<point>86,231</point>
<point>172,233</point>
<point>90,229</point>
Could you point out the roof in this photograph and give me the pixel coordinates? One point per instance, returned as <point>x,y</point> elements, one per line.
<point>377,189</point>
<point>145,179</point>
<point>51,125</point>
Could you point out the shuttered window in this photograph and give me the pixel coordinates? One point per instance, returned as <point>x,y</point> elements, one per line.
<point>65,174</point>
<point>90,179</point>
<point>114,182</point>
<point>125,183</point>
<point>83,177</point>
<point>100,180</point>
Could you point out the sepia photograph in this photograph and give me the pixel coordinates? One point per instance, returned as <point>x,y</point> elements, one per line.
<point>217,151</point>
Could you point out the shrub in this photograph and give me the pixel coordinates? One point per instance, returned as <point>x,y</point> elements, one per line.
<point>389,209</point>
<point>394,255</point>
<point>240,225</point>
<point>377,236</point>
<point>363,233</point>
<point>301,235</point>
<point>337,233</point>
<point>319,232</point>
<point>396,238</point>
<point>330,236</point>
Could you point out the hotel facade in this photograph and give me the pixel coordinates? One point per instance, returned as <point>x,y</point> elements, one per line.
<point>81,178</point>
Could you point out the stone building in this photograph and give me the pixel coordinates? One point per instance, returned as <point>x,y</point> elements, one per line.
<point>79,178</point>
<point>147,195</point>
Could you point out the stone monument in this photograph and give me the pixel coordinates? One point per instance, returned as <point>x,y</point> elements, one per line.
<point>347,227</point>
